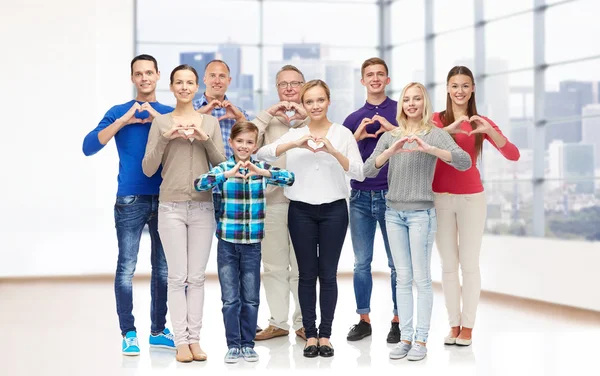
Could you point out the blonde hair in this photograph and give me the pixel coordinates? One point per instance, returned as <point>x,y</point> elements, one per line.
<point>426,123</point>
<point>314,83</point>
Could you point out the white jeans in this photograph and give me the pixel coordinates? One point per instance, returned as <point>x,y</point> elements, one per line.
<point>186,230</point>
<point>280,275</point>
<point>461,221</point>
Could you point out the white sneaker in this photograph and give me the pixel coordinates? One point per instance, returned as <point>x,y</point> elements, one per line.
<point>417,352</point>
<point>400,350</point>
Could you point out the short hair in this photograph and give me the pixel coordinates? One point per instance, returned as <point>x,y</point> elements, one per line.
<point>144,57</point>
<point>241,127</point>
<point>314,83</point>
<point>217,61</point>
<point>289,67</point>
<point>373,61</point>
<point>183,67</point>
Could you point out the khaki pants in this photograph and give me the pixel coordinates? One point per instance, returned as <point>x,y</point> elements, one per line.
<point>280,276</point>
<point>461,221</point>
<point>186,230</point>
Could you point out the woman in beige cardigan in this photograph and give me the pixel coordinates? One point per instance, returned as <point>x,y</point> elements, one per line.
<point>184,142</point>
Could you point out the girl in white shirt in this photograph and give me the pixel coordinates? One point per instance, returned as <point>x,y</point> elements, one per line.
<point>322,155</point>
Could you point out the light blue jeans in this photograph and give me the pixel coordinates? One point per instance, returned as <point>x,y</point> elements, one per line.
<point>411,234</point>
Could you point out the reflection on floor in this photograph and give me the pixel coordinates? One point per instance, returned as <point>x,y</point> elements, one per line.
<point>70,327</point>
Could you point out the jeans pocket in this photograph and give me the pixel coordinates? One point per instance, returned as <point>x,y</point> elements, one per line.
<point>126,200</point>
<point>354,194</point>
<point>166,206</point>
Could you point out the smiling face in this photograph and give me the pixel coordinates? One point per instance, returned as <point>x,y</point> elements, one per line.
<point>291,91</point>
<point>375,79</point>
<point>243,144</point>
<point>184,85</point>
<point>144,76</point>
<point>460,88</point>
<point>413,103</point>
<point>217,79</point>
<point>316,103</point>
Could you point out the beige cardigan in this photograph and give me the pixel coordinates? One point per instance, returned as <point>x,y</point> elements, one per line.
<point>270,129</point>
<point>182,161</point>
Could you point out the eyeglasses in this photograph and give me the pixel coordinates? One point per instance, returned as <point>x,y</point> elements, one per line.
<point>294,84</point>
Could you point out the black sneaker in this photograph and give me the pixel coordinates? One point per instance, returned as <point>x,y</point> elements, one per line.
<point>394,334</point>
<point>359,331</point>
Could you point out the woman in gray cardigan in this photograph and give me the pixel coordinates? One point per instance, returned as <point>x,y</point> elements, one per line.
<point>412,151</point>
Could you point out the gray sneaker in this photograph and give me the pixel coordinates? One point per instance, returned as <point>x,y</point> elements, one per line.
<point>400,351</point>
<point>249,354</point>
<point>233,355</point>
<point>417,352</point>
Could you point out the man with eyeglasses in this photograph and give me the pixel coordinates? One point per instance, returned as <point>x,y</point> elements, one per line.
<point>280,276</point>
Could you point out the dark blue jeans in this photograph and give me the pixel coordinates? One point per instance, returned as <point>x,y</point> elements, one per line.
<point>239,276</point>
<point>318,233</point>
<point>217,204</point>
<point>367,208</point>
<point>132,213</point>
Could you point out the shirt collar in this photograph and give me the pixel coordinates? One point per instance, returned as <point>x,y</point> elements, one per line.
<point>383,104</point>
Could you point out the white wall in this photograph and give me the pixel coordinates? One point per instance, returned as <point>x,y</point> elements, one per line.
<point>64,63</point>
<point>62,70</point>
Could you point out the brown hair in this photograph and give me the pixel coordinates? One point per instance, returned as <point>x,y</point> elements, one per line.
<point>447,116</point>
<point>373,61</point>
<point>314,83</point>
<point>242,127</point>
<point>217,61</point>
<point>289,67</point>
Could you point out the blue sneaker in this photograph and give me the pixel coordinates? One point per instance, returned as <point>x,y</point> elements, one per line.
<point>162,340</point>
<point>249,354</point>
<point>233,355</point>
<point>130,344</point>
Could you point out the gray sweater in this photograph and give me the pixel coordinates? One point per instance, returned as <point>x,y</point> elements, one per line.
<point>410,174</point>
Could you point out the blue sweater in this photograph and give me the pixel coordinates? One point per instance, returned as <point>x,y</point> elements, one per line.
<point>131,145</point>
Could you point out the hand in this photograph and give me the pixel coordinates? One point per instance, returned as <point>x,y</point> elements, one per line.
<point>231,112</point>
<point>153,113</point>
<point>454,128</point>
<point>326,146</point>
<point>384,125</point>
<point>421,145</point>
<point>300,112</point>
<point>235,171</point>
<point>303,142</point>
<point>279,109</point>
<point>207,110</point>
<point>361,132</point>
<point>482,125</point>
<point>177,131</point>
<point>129,117</point>
<point>398,147</point>
<point>254,170</point>
<point>197,133</point>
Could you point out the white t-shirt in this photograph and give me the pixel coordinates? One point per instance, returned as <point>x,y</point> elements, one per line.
<point>320,179</point>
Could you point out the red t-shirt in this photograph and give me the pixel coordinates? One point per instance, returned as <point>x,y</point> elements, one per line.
<point>447,179</point>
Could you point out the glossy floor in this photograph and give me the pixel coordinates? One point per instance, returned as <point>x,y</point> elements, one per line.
<point>70,327</point>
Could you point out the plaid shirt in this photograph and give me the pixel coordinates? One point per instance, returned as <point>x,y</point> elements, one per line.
<point>225,124</point>
<point>243,205</point>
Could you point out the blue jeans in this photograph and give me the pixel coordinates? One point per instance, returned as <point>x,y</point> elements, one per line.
<point>239,276</point>
<point>217,204</point>
<point>132,213</point>
<point>367,208</point>
<point>411,234</point>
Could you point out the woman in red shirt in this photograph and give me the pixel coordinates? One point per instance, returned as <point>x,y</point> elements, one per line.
<point>461,204</point>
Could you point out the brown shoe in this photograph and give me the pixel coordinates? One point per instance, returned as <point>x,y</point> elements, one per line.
<point>184,354</point>
<point>271,332</point>
<point>197,352</point>
<point>301,333</point>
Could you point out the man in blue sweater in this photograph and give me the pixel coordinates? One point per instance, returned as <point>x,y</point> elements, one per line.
<point>137,201</point>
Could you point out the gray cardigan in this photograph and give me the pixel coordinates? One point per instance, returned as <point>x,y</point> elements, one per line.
<point>410,174</point>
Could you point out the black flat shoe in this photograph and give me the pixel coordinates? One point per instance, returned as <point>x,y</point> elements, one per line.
<point>325,351</point>
<point>311,351</point>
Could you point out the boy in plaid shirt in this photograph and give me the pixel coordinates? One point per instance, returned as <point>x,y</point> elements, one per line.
<point>240,229</point>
